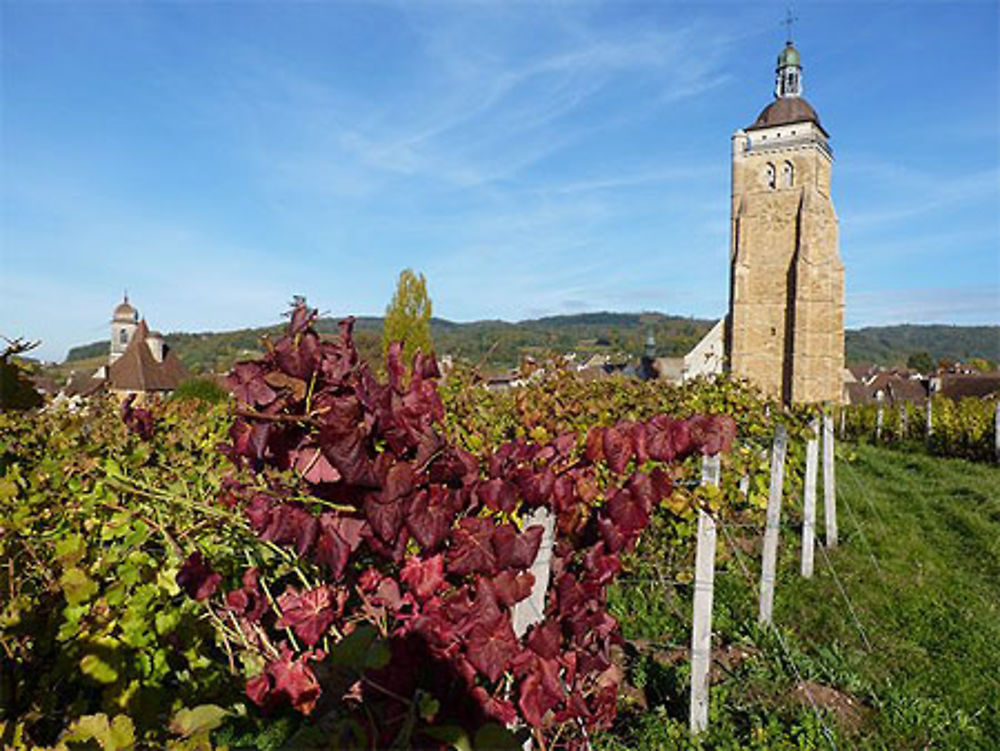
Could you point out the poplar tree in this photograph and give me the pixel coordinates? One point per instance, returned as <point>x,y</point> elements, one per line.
<point>408,316</point>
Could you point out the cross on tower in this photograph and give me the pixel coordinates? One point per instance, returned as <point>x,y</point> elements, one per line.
<point>787,23</point>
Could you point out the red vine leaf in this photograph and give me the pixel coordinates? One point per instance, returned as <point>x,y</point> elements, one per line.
<point>197,578</point>
<point>492,647</point>
<point>516,549</point>
<point>471,550</point>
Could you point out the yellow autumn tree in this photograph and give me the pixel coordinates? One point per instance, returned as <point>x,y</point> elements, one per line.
<point>408,316</point>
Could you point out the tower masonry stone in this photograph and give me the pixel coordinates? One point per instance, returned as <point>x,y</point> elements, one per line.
<point>785,328</point>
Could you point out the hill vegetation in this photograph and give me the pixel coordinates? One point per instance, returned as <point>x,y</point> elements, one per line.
<point>497,345</point>
<point>493,344</point>
<point>892,345</point>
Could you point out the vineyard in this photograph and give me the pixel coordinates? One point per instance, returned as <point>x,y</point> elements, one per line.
<point>964,428</point>
<point>337,559</point>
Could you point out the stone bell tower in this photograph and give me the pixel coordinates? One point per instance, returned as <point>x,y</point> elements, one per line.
<point>124,321</point>
<point>785,329</point>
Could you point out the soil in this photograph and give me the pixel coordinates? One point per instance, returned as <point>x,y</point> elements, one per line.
<point>848,710</point>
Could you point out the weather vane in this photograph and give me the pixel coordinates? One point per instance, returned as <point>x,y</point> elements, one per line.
<point>789,20</point>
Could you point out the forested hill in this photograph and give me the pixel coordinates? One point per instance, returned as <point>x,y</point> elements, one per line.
<point>891,345</point>
<point>500,344</point>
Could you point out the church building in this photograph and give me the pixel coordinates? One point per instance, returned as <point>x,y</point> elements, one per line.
<point>139,361</point>
<point>785,327</point>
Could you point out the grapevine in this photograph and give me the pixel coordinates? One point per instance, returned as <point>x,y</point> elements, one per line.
<point>412,552</point>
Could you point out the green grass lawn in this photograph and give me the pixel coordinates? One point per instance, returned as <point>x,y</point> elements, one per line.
<point>907,656</point>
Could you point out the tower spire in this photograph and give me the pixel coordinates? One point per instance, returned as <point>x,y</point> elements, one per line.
<point>788,78</point>
<point>790,19</point>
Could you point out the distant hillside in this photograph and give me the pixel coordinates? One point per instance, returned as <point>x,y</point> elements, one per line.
<point>891,345</point>
<point>491,344</point>
<point>501,344</point>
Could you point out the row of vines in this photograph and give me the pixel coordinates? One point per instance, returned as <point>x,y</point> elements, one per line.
<point>960,428</point>
<point>336,560</point>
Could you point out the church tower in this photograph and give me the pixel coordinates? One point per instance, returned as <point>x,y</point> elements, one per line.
<point>124,321</point>
<point>785,329</point>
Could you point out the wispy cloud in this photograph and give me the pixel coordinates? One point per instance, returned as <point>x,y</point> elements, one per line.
<point>906,192</point>
<point>974,304</point>
<point>529,157</point>
<point>489,107</point>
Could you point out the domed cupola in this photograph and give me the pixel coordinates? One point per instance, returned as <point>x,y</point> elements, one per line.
<point>788,78</point>
<point>123,324</point>
<point>125,313</point>
<point>789,106</point>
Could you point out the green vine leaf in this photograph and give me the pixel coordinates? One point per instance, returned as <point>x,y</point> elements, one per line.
<point>116,735</point>
<point>201,719</point>
<point>93,666</point>
<point>77,586</point>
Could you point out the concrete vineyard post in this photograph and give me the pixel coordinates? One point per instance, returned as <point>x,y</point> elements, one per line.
<point>704,582</point>
<point>878,418</point>
<point>532,610</point>
<point>809,501</point>
<point>770,561</point>
<point>829,484</point>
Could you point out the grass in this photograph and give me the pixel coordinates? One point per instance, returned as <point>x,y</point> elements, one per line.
<point>908,656</point>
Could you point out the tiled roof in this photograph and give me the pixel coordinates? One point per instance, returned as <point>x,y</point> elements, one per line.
<point>785,111</point>
<point>895,388</point>
<point>957,386</point>
<point>82,384</point>
<point>858,393</point>
<point>138,370</point>
<point>906,390</point>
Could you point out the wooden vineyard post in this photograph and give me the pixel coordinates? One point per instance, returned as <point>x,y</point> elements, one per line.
<point>704,582</point>
<point>532,610</point>
<point>770,562</point>
<point>904,420</point>
<point>809,501</point>
<point>829,484</point>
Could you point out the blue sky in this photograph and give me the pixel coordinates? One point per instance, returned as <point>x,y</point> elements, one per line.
<point>216,158</point>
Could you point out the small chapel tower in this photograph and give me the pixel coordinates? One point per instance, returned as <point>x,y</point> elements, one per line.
<point>124,321</point>
<point>785,328</point>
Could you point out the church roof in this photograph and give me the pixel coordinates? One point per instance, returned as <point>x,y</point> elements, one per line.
<point>82,384</point>
<point>785,111</point>
<point>138,370</point>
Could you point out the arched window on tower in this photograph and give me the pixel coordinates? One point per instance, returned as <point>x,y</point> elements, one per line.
<point>769,176</point>
<point>123,337</point>
<point>787,175</point>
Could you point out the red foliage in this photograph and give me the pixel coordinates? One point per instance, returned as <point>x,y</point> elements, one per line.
<point>197,579</point>
<point>421,547</point>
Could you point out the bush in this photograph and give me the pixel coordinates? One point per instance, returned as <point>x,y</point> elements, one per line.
<point>201,389</point>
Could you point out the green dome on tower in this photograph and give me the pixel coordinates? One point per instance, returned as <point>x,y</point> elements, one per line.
<point>789,56</point>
